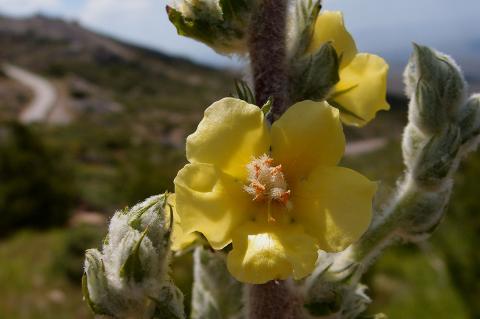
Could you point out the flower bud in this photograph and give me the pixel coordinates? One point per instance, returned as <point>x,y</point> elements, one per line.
<point>129,275</point>
<point>469,121</point>
<point>423,211</point>
<point>95,285</point>
<point>437,87</point>
<point>220,24</point>
<point>437,158</point>
<point>412,144</point>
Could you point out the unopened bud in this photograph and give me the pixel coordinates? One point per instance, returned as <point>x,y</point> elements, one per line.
<point>95,285</point>
<point>423,211</point>
<point>437,158</point>
<point>436,87</point>
<point>222,25</point>
<point>412,144</point>
<point>469,121</point>
<point>130,273</point>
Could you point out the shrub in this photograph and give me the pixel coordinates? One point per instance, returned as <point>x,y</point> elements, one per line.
<point>37,187</point>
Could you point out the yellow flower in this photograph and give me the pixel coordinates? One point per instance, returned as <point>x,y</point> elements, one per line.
<point>362,88</point>
<point>274,192</point>
<point>180,239</point>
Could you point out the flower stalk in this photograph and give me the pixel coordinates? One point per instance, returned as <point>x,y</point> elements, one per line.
<point>268,58</point>
<point>268,54</point>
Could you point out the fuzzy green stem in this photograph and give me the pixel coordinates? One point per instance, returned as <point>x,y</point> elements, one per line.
<point>268,55</point>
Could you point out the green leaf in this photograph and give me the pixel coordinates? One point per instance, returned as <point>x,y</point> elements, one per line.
<point>169,305</point>
<point>469,119</point>
<point>132,268</point>
<point>216,294</point>
<point>233,8</point>
<point>224,31</point>
<point>97,309</point>
<point>95,275</point>
<point>267,106</point>
<point>312,77</point>
<point>243,92</point>
<point>306,13</point>
<point>197,29</point>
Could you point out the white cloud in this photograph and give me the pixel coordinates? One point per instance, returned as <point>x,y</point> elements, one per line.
<point>24,7</point>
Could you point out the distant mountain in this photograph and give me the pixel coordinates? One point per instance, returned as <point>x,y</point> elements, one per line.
<point>70,40</point>
<point>131,74</point>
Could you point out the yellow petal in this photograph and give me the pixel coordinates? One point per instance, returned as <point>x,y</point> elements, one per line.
<point>362,89</point>
<point>264,252</point>
<point>307,135</point>
<point>230,134</point>
<point>330,27</point>
<point>335,205</point>
<point>180,240</point>
<point>211,202</point>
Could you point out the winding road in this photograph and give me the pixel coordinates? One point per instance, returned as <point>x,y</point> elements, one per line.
<point>45,94</point>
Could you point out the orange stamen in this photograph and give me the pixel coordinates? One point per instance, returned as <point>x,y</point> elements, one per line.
<point>276,170</point>
<point>285,197</point>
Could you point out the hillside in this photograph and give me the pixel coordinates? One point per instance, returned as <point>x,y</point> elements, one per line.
<point>130,75</point>
<point>129,108</point>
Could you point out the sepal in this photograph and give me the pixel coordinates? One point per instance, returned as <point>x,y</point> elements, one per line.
<point>312,77</point>
<point>302,26</point>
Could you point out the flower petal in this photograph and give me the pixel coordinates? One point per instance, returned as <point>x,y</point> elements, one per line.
<point>211,202</point>
<point>180,240</point>
<point>335,205</point>
<point>330,27</point>
<point>264,252</point>
<point>307,135</point>
<point>362,89</point>
<point>230,134</point>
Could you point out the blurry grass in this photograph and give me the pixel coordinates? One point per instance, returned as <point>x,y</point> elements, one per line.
<point>408,282</point>
<point>29,285</point>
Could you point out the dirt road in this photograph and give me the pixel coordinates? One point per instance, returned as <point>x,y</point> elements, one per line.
<point>44,94</point>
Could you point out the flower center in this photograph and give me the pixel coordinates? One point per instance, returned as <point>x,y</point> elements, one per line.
<point>266,181</point>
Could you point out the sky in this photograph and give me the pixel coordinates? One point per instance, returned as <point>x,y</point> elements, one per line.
<point>384,27</point>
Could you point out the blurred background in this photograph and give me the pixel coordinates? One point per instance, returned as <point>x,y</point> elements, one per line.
<point>97,97</point>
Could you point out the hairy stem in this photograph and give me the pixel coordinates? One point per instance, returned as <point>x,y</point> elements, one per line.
<point>268,55</point>
<point>272,300</point>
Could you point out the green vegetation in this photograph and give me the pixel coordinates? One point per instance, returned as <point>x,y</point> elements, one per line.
<point>31,285</point>
<point>36,187</point>
<point>70,254</point>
